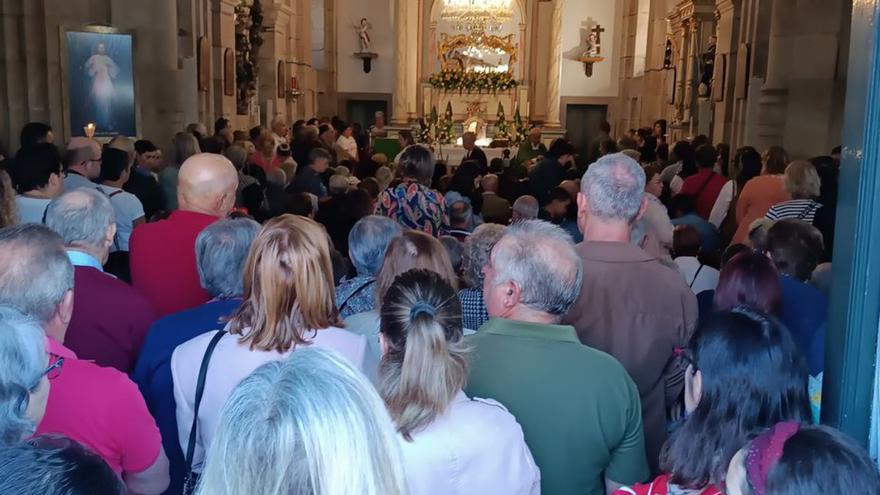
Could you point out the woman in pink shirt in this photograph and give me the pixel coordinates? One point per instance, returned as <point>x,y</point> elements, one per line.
<point>266,156</point>
<point>761,193</point>
<point>289,303</point>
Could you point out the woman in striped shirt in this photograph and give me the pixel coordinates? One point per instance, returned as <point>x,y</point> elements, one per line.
<point>802,183</point>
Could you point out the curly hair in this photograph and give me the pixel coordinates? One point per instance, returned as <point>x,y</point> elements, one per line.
<point>477,249</point>
<point>8,213</point>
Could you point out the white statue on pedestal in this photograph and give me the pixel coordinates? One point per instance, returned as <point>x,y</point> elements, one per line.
<point>364,35</point>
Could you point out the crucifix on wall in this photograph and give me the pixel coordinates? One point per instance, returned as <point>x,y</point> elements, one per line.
<point>593,54</point>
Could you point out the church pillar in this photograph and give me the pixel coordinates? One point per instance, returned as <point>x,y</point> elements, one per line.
<point>159,81</point>
<point>773,99</point>
<point>726,52</point>
<point>399,104</point>
<point>555,69</point>
<point>223,39</point>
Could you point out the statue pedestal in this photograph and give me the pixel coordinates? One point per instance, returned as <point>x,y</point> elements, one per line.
<point>588,64</point>
<point>367,58</point>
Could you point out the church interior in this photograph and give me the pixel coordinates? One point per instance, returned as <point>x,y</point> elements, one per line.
<point>800,76</point>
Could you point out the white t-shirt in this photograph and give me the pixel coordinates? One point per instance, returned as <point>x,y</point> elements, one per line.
<point>31,210</point>
<point>231,363</point>
<point>127,208</point>
<point>350,146</point>
<point>446,457</point>
<point>722,204</point>
<point>699,277</point>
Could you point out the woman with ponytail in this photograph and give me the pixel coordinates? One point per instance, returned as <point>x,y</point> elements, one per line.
<point>451,444</point>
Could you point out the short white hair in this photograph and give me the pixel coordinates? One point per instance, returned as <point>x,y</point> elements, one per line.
<point>81,217</point>
<point>308,424</point>
<point>540,259</point>
<point>23,354</point>
<point>614,188</point>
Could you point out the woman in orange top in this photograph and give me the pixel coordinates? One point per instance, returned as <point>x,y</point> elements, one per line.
<point>761,193</point>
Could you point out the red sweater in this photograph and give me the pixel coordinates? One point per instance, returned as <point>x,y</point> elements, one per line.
<point>706,198</point>
<point>163,261</point>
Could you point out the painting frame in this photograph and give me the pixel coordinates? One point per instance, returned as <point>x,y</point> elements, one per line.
<point>229,72</point>
<point>126,112</point>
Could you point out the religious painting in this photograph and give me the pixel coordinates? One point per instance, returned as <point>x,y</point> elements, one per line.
<point>229,72</point>
<point>204,64</point>
<point>477,52</point>
<point>98,74</point>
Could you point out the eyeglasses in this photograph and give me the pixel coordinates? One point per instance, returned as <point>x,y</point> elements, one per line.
<point>53,371</point>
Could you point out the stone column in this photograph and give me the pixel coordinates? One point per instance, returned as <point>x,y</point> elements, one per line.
<point>555,72</point>
<point>728,27</point>
<point>223,38</point>
<point>399,104</point>
<point>158,79</point>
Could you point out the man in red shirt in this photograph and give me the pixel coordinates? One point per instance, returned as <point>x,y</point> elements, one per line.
<point>95,406</point>
<point>705,185</point>
<point>110,318</point>
<point>163,257</point>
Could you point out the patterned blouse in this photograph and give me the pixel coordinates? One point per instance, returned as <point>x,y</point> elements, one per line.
<point>416,207</point>
<point>355,295</point>
<point>473,309</point>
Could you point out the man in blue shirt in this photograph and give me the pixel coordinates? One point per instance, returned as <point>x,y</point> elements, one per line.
<point>221,251</point>
<point>796,248</point>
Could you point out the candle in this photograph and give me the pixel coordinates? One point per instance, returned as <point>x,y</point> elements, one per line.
<point>90,130</point>
<point>293,84</point>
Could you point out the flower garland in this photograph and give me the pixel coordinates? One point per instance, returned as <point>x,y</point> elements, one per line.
<point>473,82</point>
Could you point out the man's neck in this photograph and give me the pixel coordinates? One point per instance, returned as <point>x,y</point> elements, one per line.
<point>78,170</point>
<point>37,194</point>
<point>597,230</point>
<point>100,255</point>
<point>114,183</point>
<point>528,315</point>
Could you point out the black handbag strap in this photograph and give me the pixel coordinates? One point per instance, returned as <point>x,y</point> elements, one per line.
<point>200,389</point>
<point>696,275</point>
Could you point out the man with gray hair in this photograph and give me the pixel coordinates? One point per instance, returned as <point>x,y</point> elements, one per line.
<point>221,251</point>
<point>367,242</point>
<point>110,318</point>
<point>524,208</point>
<point>578,408</point>
<point>82,163</point>
<point>631,305</point>
<point>98,407</point>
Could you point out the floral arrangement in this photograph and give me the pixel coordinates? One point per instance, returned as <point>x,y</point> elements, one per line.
<point>473,82</point>
<point>502,126</point>
<point>248,39</point>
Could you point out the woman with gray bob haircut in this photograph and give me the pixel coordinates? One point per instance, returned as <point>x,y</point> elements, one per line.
<point>451,444</point>
<point>310,424</point>
<point>24,377</point>
<point>477,249</point>
<point>367,243</point>
<point>221,250</point>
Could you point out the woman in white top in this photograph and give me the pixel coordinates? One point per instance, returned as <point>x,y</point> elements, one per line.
<point>451,444</point>
<point>289,303</point>
<point>347,143</point>
<point>412,249</point>
<point>656,216</point>
<point>801,181</point>
<point>311,424</point>
<point>746,166</point>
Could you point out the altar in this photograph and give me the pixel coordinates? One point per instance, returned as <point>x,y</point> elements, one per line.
<point>453,155</point>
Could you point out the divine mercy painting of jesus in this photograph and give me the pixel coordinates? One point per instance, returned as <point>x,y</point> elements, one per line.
<point>100,83</point>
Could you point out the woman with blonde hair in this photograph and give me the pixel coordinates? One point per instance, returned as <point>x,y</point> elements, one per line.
<point>451,444</point>
<point>289,303</point>
<point>412,249</point>
<point>8,211</point>
<point>308,425</point>
<point>801,181</point>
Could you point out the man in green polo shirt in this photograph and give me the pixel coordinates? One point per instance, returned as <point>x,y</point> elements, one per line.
<point>579,410</point>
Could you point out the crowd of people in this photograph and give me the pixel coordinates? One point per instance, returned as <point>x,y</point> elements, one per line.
<point>284,311</point>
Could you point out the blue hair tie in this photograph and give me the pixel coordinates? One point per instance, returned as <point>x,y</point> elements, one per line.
<point>422,307</point>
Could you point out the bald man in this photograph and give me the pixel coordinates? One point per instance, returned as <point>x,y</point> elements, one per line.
<point>474,152</point>
<point>163,260</point>
<point>82,163</point>
<point>495,208</point>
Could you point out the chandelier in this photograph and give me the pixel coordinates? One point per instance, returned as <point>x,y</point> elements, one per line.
<point>477,15</point>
